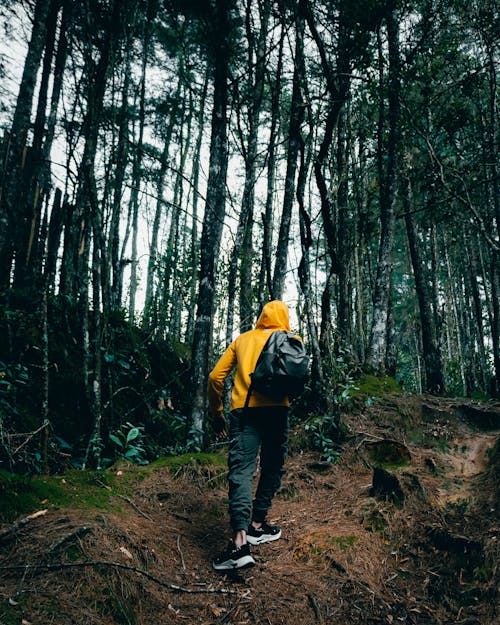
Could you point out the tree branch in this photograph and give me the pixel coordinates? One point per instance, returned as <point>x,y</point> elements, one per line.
<point>96,563</point>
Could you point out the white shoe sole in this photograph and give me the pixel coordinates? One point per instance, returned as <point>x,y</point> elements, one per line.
<point>229,565</point>
<point>266,538</point>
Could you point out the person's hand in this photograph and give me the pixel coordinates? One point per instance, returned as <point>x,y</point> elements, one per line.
<point>219,426</point>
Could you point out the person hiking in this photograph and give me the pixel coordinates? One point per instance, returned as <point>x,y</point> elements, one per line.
<point>257,422</point>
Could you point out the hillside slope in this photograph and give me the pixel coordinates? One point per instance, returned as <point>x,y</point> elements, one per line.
<point>423,548</point>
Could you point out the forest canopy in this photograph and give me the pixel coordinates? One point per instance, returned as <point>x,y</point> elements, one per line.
<point>168,167</point>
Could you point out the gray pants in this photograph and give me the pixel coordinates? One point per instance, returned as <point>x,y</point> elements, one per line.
<point>252,429</point>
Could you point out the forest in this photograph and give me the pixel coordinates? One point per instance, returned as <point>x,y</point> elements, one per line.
<point>169,166</point>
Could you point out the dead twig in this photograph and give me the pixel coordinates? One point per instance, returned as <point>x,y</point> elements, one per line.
<point>33,434</point>
<point>104,563</point>
<point>180,552</point>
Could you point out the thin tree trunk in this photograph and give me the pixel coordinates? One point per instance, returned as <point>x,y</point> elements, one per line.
<point>254,113</point>
<point>136,174</point>
<point>296,118</point>
<point>454,320</point>
<point>113,271</point>
<point>432,357</point>
<point>265,274</point>
<point>472,276</point>
<point>304,270</point>
<point>194,212</point>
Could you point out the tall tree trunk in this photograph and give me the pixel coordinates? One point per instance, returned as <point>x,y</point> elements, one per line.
<point>344,316</point>
<point>296,118</point>
<point>254,112</point>
<point>171,254</point>
<point>113,272</point>
<point>12,224</point>
<point>242,251</point>
<point>88,206</point>
<point>492,143</point>
<point>194,248</point>
<point>32,191</point>
<point>432,357</point>
<point>54,236</point>
<point>136,173</point>
<point>265,275</point>
<point>212,222</point>
<point>304,270</point>
<point>378,339</point>
<point>472,275</point>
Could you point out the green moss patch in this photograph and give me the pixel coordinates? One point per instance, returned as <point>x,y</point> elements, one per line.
<point>375,386</point>
<point>80,489</point>
<point>185,460</point>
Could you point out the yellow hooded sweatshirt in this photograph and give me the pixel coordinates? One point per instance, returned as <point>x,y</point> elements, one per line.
<point>243,354</point>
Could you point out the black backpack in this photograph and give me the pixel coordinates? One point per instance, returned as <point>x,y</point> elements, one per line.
<point>282,367</point>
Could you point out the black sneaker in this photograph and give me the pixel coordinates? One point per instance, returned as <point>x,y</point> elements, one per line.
<point>264,534</point>
<point>233,558</point>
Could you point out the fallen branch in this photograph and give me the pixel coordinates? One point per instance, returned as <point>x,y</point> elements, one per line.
<point>135,506</point>
<point>95,563</point>
<point>18,524</point>
<point>127,499</point>
<point>80,532</point>
<point>314,606</point>
<point>180,552</point>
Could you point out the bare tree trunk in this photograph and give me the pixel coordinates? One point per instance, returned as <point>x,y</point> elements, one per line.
<point>472,276</point>
<point>87,207</point>
<point>304,270</point>
<point>172,252</point>
<point>453,317</point>
<point>212,223</point>
<point>265,274</point>
<point>360,186</point>
<point>378,339</point>
<point>296,117</point>
<point>344,316</point>
<point>113,271</point>
<point>136,172</point>
<point>255,105</point>
<point>492,143</point>
<point>194,211</point>
<point>11,223</point>
<point>432,357</point>
<point>30,244</point>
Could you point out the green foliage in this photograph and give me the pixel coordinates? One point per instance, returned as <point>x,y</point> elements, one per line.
<point>323,432</point>
<point>138,372</point>
<point>129,443</point>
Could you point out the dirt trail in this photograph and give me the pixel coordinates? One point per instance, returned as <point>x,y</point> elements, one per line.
<point>467,458</point>
<point>346,558</point>
<point>472,457</point>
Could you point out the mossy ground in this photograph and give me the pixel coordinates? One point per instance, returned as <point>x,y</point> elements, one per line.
<point>375,386</point>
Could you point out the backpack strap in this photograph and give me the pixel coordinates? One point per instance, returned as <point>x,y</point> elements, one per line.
<point>247,400</point>
<point>250,388</point>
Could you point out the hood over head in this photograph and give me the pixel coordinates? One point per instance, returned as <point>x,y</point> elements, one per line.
<point>274,316</point>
